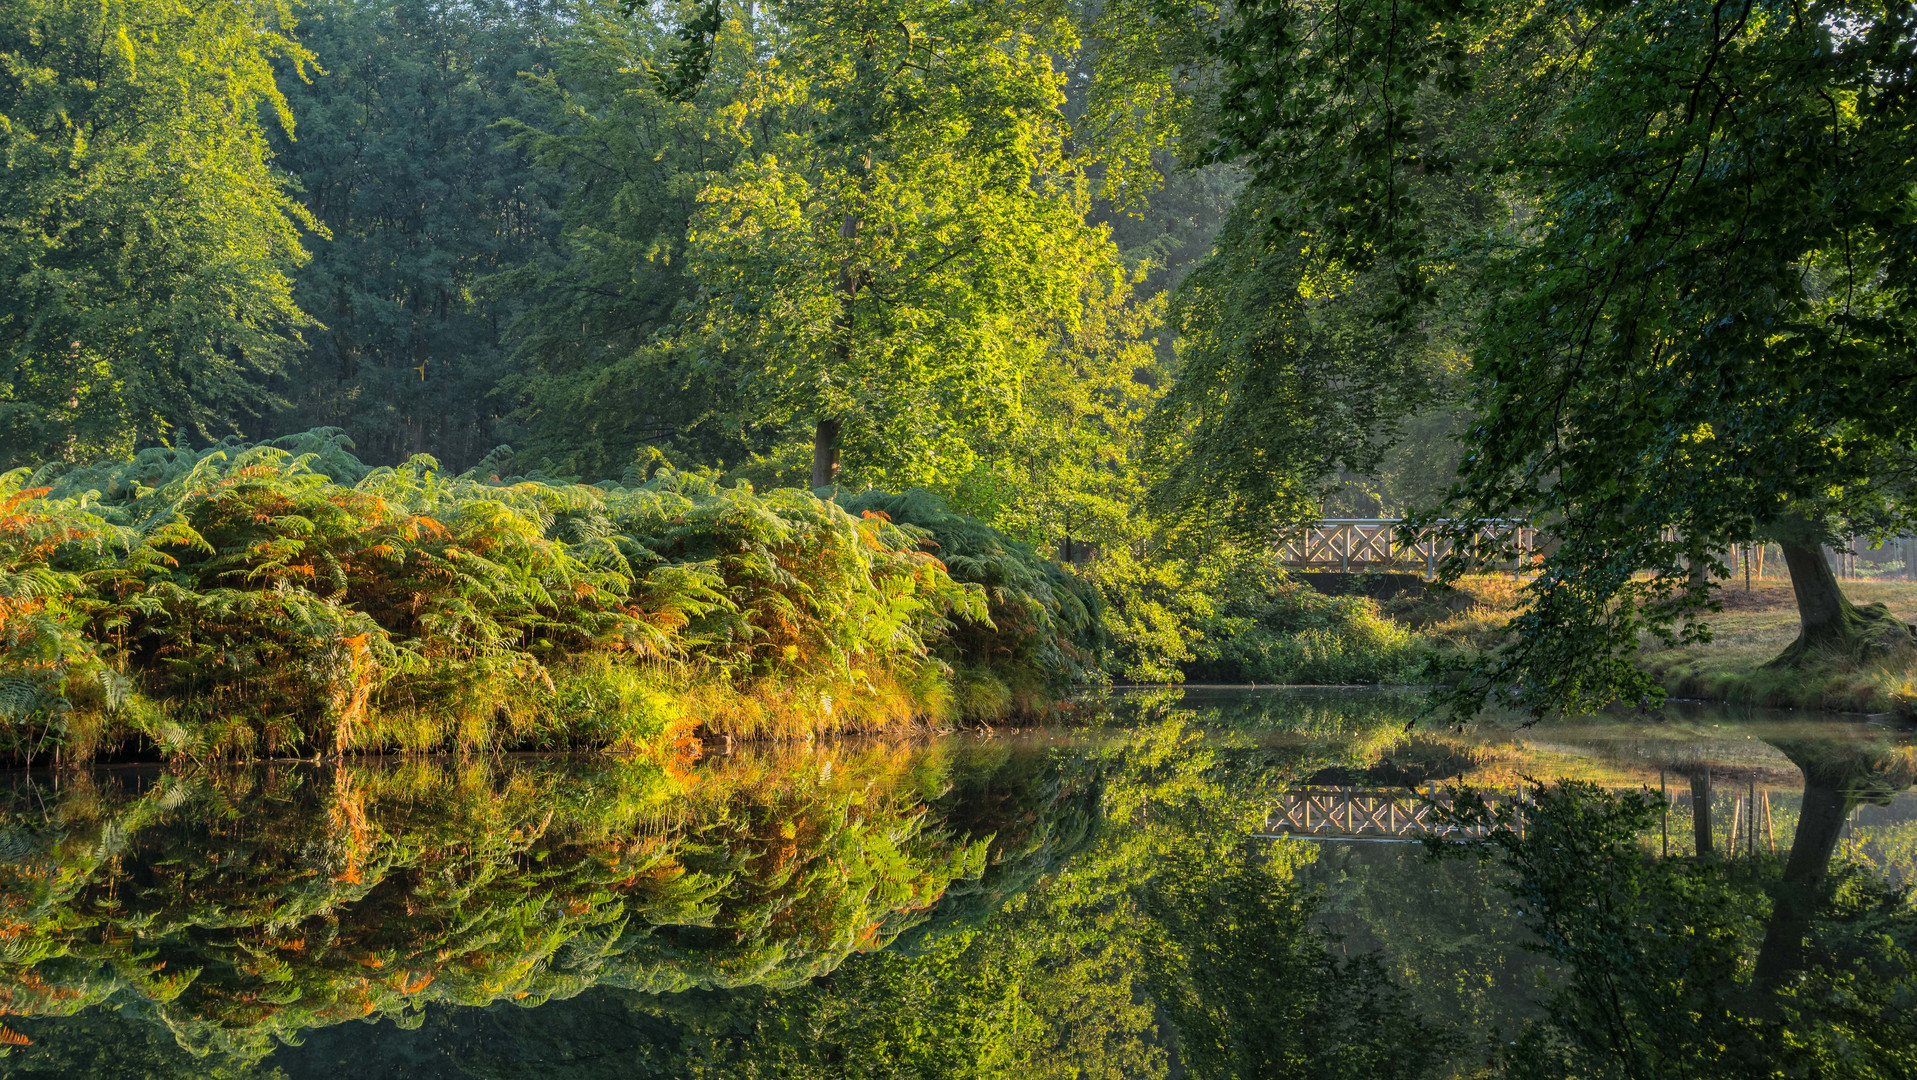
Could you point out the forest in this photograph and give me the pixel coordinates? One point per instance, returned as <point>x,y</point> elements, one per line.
<point>427,375</point>
<point>762,538</point>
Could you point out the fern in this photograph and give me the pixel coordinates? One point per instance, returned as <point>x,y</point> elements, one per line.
<point>283,596</point>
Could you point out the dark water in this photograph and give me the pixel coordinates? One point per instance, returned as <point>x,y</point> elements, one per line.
<point>1196,884</point>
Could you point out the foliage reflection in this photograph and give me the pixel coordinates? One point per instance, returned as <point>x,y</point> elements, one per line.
<point>1092,905</point>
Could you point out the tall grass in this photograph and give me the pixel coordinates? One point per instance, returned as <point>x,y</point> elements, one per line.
<point>284,598</point>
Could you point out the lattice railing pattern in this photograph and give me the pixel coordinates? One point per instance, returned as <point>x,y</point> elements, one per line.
<point>1375,543</point>
<point>1349,812</point>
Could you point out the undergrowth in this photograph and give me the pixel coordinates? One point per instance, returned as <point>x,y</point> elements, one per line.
<point>285,598</point>
<point>1271,628</point>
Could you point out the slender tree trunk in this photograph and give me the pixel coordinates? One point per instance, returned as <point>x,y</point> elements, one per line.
<point>1700,574</point>
<point>1701,814</point>
<point>1826,805</point>
<point>825,434</point>
<point>825,453</point>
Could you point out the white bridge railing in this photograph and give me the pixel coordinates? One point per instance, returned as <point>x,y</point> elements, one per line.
<point>1385,543</point>
<point>1351,813</point>
<point>1382,543</point>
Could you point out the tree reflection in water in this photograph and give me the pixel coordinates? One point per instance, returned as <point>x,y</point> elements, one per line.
<point>1704,967</point>
<point>1086,907</point>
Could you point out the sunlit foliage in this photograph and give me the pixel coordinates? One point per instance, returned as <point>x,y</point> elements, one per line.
<point>146,241</point>
<point>286,598</point>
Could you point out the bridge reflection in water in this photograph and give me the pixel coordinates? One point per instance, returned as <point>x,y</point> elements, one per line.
<point>1377,814</point>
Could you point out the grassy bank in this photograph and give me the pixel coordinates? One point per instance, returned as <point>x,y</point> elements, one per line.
<point>285,598</point>
<point>1286,632</point>
<point>1280,628</point>
<point>1757,624</point>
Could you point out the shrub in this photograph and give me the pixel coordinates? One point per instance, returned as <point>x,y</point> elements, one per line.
<point>1267,628</point>
<point>1045,630</point>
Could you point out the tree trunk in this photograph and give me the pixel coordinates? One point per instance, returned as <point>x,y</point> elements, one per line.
<point>1701,814</point>
<point>825,454</point>
<point>1829,624</point>
<point>1824,613</point>
<point>1826,806</point>
<point>825,436</point>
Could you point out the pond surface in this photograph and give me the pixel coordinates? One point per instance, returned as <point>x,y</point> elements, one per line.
<point>1196,883</point>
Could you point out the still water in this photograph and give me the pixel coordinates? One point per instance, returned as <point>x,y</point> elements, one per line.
<point>1205,883</point>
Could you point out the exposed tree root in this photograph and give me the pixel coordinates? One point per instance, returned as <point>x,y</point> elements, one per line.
<point>1834,630</point>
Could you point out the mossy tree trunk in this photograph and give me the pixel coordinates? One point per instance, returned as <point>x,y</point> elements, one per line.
<point>1825,616</point>
<point>1828,623</point>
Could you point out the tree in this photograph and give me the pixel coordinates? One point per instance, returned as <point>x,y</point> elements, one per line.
<point>1283,377</point>
<point>1311,331</point>
<point>1690,320</point>
<point>888,269</point>
<point>146,242</point>
<point>598,368</point>
<point>400,157</point>
<point>1703,336</point>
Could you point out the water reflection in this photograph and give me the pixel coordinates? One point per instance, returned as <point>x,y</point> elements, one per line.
<point>239,909</point>
<point>1091,902</point>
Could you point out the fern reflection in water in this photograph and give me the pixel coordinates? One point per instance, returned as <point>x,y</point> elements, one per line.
<point>239,909</point>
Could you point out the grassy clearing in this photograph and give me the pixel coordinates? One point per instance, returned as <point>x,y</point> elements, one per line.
<point>1468,616</point>
<point>1755,626</point>
<point>1274,628</point>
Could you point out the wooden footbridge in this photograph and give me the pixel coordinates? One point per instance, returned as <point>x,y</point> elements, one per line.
<point>1381,544</point>
<point>1387,543</point>
<point>1353,813</point>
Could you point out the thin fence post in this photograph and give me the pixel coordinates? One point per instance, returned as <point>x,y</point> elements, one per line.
<point>1770,831</point>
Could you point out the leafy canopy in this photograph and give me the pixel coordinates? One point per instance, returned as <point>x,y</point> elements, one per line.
<point>146,241</point>
<point>1681,233</point>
